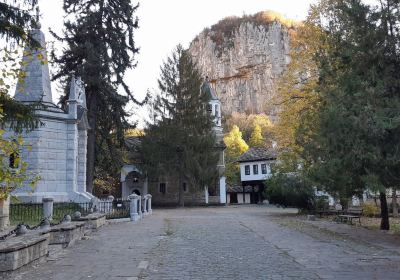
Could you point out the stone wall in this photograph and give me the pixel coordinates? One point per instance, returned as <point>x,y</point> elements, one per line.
<point>51,152</point>
<point>193,196</point>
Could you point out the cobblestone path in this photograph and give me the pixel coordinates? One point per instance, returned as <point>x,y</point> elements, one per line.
<point>220,243</point>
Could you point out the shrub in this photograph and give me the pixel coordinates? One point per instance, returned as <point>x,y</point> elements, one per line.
<point>321,203</point>
<point>289,191</point>
<point>370,209</point>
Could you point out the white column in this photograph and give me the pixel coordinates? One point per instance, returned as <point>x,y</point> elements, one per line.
<point>133,198</point>
<point>72,158</point>
<point>82,154</point>
<point>4,213</point>
<point>222,190</point>
<point>48,208</point>
<point>149,209</point>
<point>206,194</point>
<point>140,207</point>
<point>144,210</point>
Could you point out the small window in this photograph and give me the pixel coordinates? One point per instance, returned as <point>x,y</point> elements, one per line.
<point>14,160</point>
<point>185,188</point>
<point>216,110</point>
<point>247,169</point>
<point>264,168</point>
<point>209,109</point>
<point>163,188</point>
<point>255,169</point>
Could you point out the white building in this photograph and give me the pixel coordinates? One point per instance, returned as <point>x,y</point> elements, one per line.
<point>255,167</point>
<point>56,151</point>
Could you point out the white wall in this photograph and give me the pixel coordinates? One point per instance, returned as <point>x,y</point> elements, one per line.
<point>214,113</point>
<point>246,198</point>
<point>252,176</point>
<point>51,152</point>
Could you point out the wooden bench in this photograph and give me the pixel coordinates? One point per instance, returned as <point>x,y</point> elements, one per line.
<point>350,215</point>
<point>328,212</point>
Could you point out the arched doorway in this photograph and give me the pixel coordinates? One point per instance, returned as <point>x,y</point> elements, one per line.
<point>136,191</point>
<point>133,181</point>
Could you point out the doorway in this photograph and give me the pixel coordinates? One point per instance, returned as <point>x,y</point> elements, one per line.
<point>233,197</point>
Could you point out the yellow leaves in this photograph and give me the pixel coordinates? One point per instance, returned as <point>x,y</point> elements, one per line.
<point>256,139</point>
<point>235,143</point>
<point>298,96</point>
<point>13,170</point>
<point>271,16</point>
<point>134,132</point>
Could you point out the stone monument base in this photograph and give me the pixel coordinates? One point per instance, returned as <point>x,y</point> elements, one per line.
<point>18,251</point>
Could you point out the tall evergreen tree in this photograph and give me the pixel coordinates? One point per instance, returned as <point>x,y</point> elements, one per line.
<point>100,47</point>
<point>356,144</point>
<point>16,19</point>
<point>181,141</point>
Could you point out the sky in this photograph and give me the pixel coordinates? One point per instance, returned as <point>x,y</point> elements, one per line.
<point>166,23</point>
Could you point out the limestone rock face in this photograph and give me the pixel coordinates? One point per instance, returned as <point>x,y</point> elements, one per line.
<point>243,59</point>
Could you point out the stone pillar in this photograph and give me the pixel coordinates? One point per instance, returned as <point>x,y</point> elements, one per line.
<point>72,158</point>
<point>48,208</point>
<point>146,186</point>
<point>109,204</point>
<point>222,190</point>
<point>82,153</point>
<point>4,213</point>
<point>149,209</point>
<point>144,210</point>
<point>140,207</point>
<point>133,198</point>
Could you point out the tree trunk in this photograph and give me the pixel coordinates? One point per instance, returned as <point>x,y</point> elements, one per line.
<point>91,144</point>
<point>394,203</point>
<point>384,211</point>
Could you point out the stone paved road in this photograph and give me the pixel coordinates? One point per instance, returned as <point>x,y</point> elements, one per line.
<point>220,243</point>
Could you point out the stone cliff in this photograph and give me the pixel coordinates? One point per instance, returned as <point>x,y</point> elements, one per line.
<point>244,57</point>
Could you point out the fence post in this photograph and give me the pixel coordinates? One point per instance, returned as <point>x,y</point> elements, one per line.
<point>4,213</point>
<point>140,207</point>
<point>149,209</point>
<point>110,200</point>
<point>144,210</point>
<point>133,201</point>
<point>48,207</point>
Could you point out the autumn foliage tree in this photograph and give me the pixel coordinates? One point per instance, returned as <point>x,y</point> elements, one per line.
<point>340,103</point>
<point>235,146</point>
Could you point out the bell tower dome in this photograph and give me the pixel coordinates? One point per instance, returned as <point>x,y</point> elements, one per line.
<point>214,106</point>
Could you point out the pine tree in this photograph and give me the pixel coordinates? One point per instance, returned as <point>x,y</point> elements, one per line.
<point>16,20</point>
<point>355,144</point>
<point>99,38</point>
<point>181,140</point>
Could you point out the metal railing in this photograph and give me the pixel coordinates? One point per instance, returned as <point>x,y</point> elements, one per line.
<point>32,213</point>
